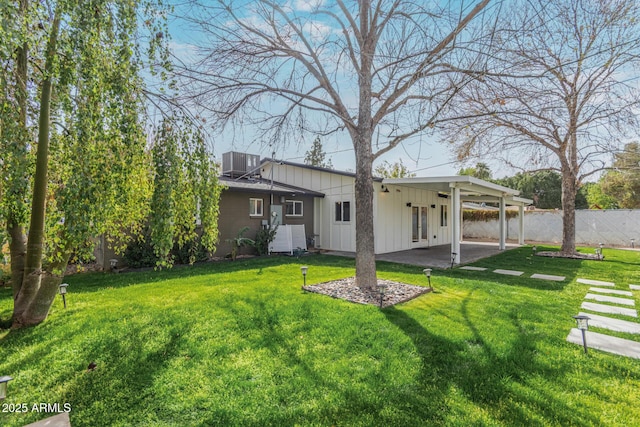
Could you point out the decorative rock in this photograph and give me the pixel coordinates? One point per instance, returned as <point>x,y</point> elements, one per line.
<point>346,289</point>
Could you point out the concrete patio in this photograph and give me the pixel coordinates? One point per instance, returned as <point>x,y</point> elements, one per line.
<point>437,256</point>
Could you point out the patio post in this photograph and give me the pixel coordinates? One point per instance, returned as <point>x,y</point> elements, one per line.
<point>456,218</point>
<point>521,224</point>
<point>501,220</point>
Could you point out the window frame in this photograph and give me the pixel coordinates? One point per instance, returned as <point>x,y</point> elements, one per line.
<point>253,207</point>
<point>339,212</point>
<point>293,203</point>
<point>444,209</point>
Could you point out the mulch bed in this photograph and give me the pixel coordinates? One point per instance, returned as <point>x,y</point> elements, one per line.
<point>346,289</point>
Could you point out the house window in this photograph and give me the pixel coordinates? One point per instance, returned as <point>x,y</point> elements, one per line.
<point>343,211</point>
<point>443,215</point>
<point>255,207</point>
<point>293,208</point>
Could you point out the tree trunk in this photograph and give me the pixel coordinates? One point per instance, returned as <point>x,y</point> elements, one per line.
<point>569,189</point>
<point>32,278</point>
<point>365,248</point>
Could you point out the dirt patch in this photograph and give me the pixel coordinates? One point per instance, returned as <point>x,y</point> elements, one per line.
<point>346,289</point>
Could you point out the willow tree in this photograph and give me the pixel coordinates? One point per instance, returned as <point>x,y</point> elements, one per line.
<point>81,163</point>
<point>380,70</point>
<point>560,93</point>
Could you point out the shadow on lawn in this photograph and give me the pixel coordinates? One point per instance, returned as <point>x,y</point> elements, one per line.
<point>505,386</point>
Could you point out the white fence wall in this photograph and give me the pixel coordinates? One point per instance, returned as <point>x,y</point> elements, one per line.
<point>611,227</point>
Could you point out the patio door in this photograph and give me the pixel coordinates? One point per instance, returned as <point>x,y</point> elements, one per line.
<point>419,228</point>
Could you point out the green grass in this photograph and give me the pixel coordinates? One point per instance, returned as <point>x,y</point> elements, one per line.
<point>241,344</point>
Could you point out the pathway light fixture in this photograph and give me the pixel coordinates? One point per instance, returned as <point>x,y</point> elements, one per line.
<point>453,258</point>
<point>114,263</point>
<point>304,270</point>
<point>427,272</point>
<point>63,292</point>
<point>535,250</point>
<point>3,386</point>
<point>601,251</point>
<point>633,243</point>
<point>583,324</point>
<point>382,289</point>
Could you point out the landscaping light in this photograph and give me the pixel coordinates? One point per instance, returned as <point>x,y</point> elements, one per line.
<point>453,258</point>
<point>598,253</point>
<point>304,269</point>
<point>114,263</point>
<point>535,250</point>
<point>583,324</point>
<point>63,292</point>
<point>633,243</point>
<point>601,251</point>
<point>382,288</point>
<point>3,386</point>
<point>427,272</point>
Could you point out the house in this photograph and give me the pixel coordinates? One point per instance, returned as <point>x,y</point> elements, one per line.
<point>408,212</point>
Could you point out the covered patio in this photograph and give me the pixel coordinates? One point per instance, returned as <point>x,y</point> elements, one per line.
<point>459,189</point>
<point>437,256</point>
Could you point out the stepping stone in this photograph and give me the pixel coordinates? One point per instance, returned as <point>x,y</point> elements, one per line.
<point>611,291</point>
<point>548,277</point>
<point>634,287</point>
<point>60,420</point>
<point>609,309</point>
<point>509,272</point>
<point>612,324</point>
<point>595,282</point>
<point>614,300</point>
<point>606,343</point>
<point>472,268</point>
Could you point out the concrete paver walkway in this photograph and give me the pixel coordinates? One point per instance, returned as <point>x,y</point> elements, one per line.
<point>60,420</point>
<point>612,324</point>
<point>634,287</point>
<point>509,272</point>
<point>595,282</point>
<point>548,277</point>
<point>613,300</point>
<point>611,291</point>
<point>610,309</point>
<point>606,343</point>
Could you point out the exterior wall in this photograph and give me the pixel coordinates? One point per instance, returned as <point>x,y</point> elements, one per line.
<point>234,215</point>
<point>394,222</point>
<point>392,216</point>
<point>611,227</point>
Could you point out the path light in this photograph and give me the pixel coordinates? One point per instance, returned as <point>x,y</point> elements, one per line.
<point>453,258</point>
<point>427,272</point>
<point>598,253</point>
<point>304,269</point>
<point>3,386</point>
<point>535,250</point>
<point>63,292</point>
<point>114,263</point>
<point>601,251</point>
<point>583,325</point>
<point>633,243</point>
<point>382,288</point>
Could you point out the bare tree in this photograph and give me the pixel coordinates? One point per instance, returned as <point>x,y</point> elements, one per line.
<point>560,93</point>
<point>381,71</point>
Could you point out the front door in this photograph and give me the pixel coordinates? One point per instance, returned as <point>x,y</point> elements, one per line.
<point>419,229</point>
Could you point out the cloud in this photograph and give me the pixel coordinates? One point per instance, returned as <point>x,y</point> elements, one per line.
<point>307,5</point>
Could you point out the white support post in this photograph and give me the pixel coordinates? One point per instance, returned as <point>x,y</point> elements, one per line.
<point>521,225</point>
<point>502,221</point>
<point>456,216</point>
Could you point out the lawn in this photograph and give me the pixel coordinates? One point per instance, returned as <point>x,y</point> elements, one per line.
<point>241,344</point>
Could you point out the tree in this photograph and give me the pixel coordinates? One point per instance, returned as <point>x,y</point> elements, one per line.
<point>622,184</point>
<point>383,68</point>
<point>315,156</point>
<point>71,75</point>
<point>395,170</point>
<point>556,94</point>
<point>480,171</point>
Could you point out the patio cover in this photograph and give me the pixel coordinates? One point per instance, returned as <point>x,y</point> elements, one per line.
<point>469,189</point>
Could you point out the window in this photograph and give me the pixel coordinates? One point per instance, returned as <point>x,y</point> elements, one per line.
<point>443,215</point>
<point>293,208</point>
<point>343,211</point>
<point>255,207</point>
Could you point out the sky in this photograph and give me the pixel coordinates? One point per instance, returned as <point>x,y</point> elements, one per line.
<point>424,155</point>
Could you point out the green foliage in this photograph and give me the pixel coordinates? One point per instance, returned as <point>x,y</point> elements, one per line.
<point>264,237</point>
<point>620,187</point>
<point>141,252</point>
<point>480,171</point>
<point>241,343</point>
<point>486,215</point>
<point>186,189</point>
<point>395,170</point>
<point>316,155</point>
<point>239,242</point>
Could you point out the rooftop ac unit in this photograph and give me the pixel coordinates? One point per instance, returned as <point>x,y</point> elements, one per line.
<point>236,164</point>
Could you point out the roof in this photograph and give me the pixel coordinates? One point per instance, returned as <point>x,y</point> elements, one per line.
<point>471,188</point>
<point>265,186</point>
<point>315,168</point>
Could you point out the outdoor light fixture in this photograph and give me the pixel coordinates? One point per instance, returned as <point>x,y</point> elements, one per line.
<point>453,258</point>
<point>633,243</point>
<point>3,386</point>
<point>535,250</point>
<point>304,269</point>
<point>382,288</point>
<point>601,251</point>
<point>583,325</point>
<point>114,263</point>
<point>427,272</point>
<point>598,253</point>
<point>63,292</point>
